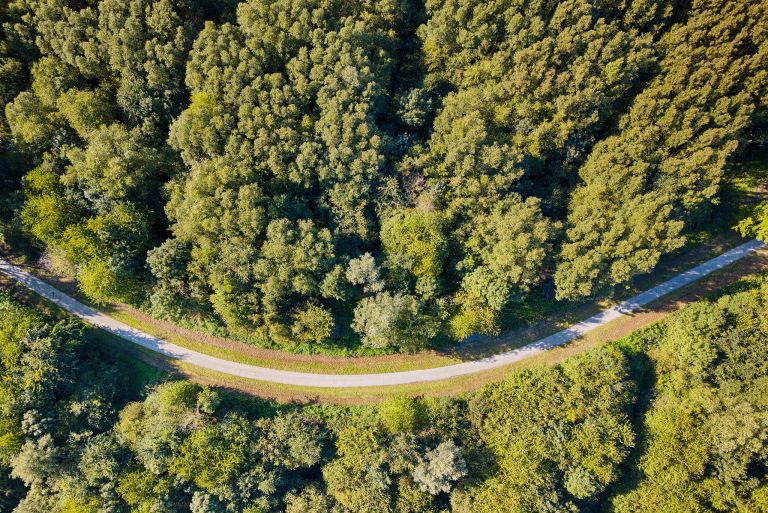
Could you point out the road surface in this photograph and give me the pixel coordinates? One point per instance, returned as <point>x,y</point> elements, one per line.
<point>243,370</point>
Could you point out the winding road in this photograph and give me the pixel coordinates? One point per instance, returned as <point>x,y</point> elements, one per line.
<point>174,351</point>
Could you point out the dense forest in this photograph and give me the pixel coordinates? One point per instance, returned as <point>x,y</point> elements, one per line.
<point>673,418</point>
<point>392,172</point>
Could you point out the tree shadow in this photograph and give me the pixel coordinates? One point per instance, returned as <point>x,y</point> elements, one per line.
<point>643,372</point>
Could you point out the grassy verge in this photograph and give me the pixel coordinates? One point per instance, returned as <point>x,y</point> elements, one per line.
<point>148,367</point>
<point>615,330</point>
<point>319,364</point>
<point>551,319</point>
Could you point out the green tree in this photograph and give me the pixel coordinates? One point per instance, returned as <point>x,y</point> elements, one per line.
<point>416,247</point>
<point>292,441</point>
<point>398,320</point>
<point>313,324</point>
<point>201,131</point>
<point>308,500</point>
<point>14,73</point>
<point>146,44</point>
<point>115,166</point>
<point>153,429</point>
<point>46,212</point>
<point>441,467</point>
<point>534,81</point>
<point>213,455</point>
<point>356,479</point>
<point>756,225</point>
<point>99,281</point>
<point>31,122</point>
<point>275,137</point>
<point>364,272</point>
<point>708,414</point>
<point>505,253</point>
<point>85,110</point>
<point>536,466</point>
<point>402,414</point>
<point>642,185</point>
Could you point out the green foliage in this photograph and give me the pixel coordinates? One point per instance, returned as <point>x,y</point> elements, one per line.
<point>53,392</point>
<point>552,438</point>
<point>308,500</point>
<point>294,259</point>
<point>146,45</point>
<point>411,499</point>
<point>151,428</point>
<point>84,110</point>
<point>705,427</point>
<point>50,79</point>
<point>32,116</point>
<point>504,255</point>
<point>81,244</point>
<point>304,167</point>
<point>13,73</point>
<point>47,212</point>
<point>508,245</point>
<point>402,414</point>
<point>201,131</point>
<point>534,83</point>
<point>101,283</point>
<point>274,138</point>
<point>93,65</point>
<point>114,167</point>
<point>384,320</point>
<point>356,479</point>
<point>297,161</point>
<point>168,262</point>
<point>548,469</point>
<point>292,441</point>
<point>30,122</point>
<point>467,322</point>
<point>755,225</point>
<point>643,184</point>
<point>141,490</point>
<point>14,324</point>
<point>416,245</point>
<point>313,324</point>
<point>212,455</point>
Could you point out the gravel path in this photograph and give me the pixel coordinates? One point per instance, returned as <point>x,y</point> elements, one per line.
<point>168,349</point>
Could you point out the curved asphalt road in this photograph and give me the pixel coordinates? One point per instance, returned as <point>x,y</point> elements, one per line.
<point>366,380</point>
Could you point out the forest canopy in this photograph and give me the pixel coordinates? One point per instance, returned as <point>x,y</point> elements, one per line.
<point>389,172</point>
<point>672,418</point>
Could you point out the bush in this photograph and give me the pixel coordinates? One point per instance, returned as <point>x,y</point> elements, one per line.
<point>312,324</point>
<point>102,284</point>
<point>402,414</point>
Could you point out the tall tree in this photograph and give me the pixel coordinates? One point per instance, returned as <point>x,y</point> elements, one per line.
<point>642,185</point>
<point>283,128</point>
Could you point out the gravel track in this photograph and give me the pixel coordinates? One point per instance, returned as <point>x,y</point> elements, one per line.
<point>308,379</point>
